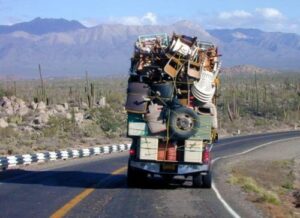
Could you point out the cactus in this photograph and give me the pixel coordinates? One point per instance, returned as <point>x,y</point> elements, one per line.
<point>41,94</point>
<point>89,90</point>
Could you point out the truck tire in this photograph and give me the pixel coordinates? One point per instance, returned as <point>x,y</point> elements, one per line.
<point>197,180</point>
<point>207,180</point>
<point>184,123</point>
<point>131,177</point>
<point>134,177</point>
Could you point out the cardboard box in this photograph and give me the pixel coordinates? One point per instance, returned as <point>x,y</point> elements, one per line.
<point>137,129</point>
<point>193,151</point>
<point>136,125</point>
<point>148,149</point>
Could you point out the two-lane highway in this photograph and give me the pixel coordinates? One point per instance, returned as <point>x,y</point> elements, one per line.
<point>96,187</point>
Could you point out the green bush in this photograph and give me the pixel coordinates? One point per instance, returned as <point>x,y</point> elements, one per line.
<point>16,119</point>
<point>60,127</point>
<point>2,93</point>
<point>112,124</point>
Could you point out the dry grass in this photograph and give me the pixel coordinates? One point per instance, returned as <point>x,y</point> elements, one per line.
<point>273,105</point>
<point>269,184</point>
<point>249,185</point>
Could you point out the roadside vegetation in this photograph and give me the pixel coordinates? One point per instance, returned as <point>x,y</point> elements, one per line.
<point>94,109</point>
<point>272,188</point>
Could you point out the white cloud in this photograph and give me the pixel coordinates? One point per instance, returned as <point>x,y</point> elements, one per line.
<point>269,13</point>
<point>234,14</point>
<point>90,22</point>
<point>150,18</point>
<point>146,19</point>
<point>130,20</point>
<point>267,19</point>
<point>239,35</point>
<point>13,20</point>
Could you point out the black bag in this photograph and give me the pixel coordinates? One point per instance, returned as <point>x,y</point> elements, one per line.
<point>166,90</point>
<point>137,93</point>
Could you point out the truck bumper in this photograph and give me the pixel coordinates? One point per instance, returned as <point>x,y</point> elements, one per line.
<point>181,169</point>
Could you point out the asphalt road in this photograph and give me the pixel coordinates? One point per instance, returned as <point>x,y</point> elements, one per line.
<point>96,187</point>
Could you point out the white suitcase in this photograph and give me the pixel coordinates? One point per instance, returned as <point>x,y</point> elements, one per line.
<point>193,151</point>
<point>148,148</point>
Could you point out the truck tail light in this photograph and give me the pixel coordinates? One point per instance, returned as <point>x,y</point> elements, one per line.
<point>206,156</point>
<point>132,152</point>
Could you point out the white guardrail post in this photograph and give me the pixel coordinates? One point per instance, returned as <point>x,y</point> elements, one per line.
<point>27,159</point>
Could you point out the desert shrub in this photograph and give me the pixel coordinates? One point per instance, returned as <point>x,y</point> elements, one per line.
<point>2,93</point>
<point>111,123</point>
<point>60,127</point>
<point>91,130</point>
<point>16,119</point>
<point>8,132</point>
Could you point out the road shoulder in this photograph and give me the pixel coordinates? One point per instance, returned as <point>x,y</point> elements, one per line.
<point>259,165</point>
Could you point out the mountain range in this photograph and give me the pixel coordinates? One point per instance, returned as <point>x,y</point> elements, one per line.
<point>68,48</point>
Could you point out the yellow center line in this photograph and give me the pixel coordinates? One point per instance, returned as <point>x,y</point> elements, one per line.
<point>84,194</point>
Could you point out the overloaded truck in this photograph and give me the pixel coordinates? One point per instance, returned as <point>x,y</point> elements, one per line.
<point>171,108</point>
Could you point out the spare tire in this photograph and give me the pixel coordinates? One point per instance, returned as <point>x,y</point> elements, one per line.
<point>184,123</point>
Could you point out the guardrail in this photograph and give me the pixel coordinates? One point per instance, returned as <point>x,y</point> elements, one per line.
<point>27,159</point>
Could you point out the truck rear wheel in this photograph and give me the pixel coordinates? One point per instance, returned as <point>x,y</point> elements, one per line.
<point>197,180</point>
<point>135,177</point>
<point>207,180</point>
<point>131,177</point>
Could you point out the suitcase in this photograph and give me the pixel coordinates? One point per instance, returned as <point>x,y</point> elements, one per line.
<point>137,94</point>
<point>148,149</point>
<point>136,125</point>
<point>193,151</point>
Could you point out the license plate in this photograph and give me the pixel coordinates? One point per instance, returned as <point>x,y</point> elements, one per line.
<point>168,167</point>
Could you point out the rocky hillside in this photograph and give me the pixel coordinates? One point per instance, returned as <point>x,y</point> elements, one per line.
<point>28,127</point>
<point>15,113</point>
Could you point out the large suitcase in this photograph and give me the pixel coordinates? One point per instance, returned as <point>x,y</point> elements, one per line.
<point>193,151</point>
<point>148,148</point>
<point>136,125</point>
<point>137,94</point>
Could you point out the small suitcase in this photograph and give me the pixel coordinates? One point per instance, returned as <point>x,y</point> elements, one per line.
<point>137,94</point>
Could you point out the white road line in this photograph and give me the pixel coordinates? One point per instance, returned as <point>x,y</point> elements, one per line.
<point>232,212</point>
<point>225,204</point>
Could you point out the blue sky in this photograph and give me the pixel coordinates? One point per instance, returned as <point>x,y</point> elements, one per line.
<point>270,15</point>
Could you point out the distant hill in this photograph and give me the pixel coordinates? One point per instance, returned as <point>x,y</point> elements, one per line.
<point>41,26</point>
<point>254,47</point>
<point>106,49</point>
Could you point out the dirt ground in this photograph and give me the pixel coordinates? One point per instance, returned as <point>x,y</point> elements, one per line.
<point>265,182</point>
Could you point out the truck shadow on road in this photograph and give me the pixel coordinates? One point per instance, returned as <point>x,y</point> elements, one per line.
<point>81,179</point>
